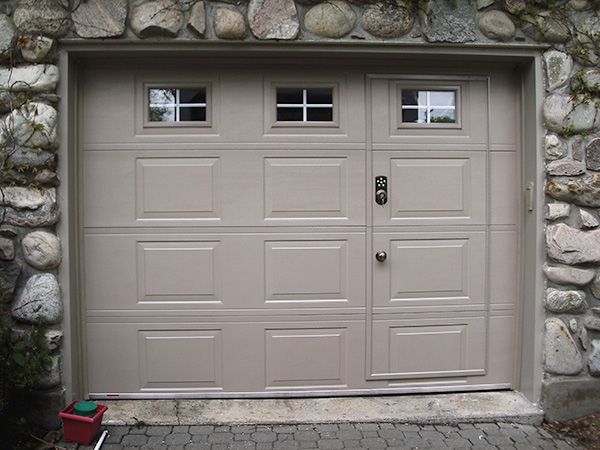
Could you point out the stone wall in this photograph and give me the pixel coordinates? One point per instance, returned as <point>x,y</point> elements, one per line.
<point>31,31</point>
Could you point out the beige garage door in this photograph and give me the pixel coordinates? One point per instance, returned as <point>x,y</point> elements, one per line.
<point>310,230</point>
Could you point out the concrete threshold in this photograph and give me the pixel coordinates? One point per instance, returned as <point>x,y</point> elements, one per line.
<point>505,406</point>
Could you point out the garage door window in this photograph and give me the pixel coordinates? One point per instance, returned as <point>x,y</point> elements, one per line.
<point>429,107</point>
<point>304,105</point>
<point>177,105</point>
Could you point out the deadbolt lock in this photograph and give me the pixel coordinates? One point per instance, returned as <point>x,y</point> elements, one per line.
<point>381,190</point>
<point>380,256</point>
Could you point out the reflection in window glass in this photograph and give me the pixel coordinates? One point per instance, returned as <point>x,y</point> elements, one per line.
<point>177,105</point>
<point>428,106</point>
<point>304,104</point>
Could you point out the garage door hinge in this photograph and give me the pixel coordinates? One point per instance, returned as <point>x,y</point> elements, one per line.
<point>529,196</point>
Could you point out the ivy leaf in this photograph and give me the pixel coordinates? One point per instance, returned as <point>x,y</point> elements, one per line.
<point>19,359</point>
<point>19,346</point>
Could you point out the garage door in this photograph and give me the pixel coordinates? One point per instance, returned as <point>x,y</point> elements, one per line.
<point>264,231</point>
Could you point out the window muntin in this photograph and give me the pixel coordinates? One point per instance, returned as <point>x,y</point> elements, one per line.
<point>186,104</point>
<point>429,106</point>
<point>304,105</point>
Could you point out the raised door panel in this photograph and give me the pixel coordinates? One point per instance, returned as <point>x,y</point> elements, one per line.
<point>431,188</point>
<point>428,270</point>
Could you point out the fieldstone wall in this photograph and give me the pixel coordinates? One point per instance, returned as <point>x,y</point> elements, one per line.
<point>31,32</point>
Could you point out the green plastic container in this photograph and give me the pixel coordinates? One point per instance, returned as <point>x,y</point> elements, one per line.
<point>85,409</point>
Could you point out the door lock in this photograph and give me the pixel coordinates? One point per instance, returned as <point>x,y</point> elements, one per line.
<point>381,256</point>
<point>381,190</point>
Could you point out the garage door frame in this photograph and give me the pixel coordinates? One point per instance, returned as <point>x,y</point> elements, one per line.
<point>528,59</point>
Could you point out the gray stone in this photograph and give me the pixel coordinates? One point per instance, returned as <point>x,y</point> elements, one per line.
<point>561,302</point>
<point>571,246</point>
<point>583,191</point>
<point>568,275</point>
<point>35,48</point>
<point>33,125</point>
<point>481,4</point>
<point>577,148</point>
<point>588,80</point>
<point>51,377</point>
<point>7,249</point>
<point>497,25</point>
<point>588,34</point>
<point>584,338</point>
<point>7,35</point>
<point>592,154</point>
<point>31,78</point>
<point>555,211</point>
<point>578,5</point>
<point>9,232</point>
<point>588,220</point>
<point>100,18</point>
<point>9,275</point>
<point>573,325</point>
<point>41,250</point>
<point>273,19</point>
<point>560,113</point>
<point>558,68</point>
<point>229,24</point>
<point>564,168</point>
<point>595,287</point>
<point>449,22</point>
<point>553,29</point>
<point>515,7</point>
<point>561,355</point>
<point>53,337</point>
<point>332,19</point>
<point>565,398</point>
<point>594,358</point>
<point>46,177</point>
<point>554,147</point>
<point>197,20</point>
<point>595,310</point>
<point>39,298</point>
<point>29,207</point>
<point>157,18</point>
<point>592,323</point>
<point>387,20</point>
<point>46,17</point>
<point>33,158</point>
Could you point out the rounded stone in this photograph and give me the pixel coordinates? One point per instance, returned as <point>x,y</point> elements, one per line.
<point>387,20</point>
<point>561,302</point>
<point>515,7</point>
<point>7,35</point>
<point>497,25</point>
<point>555,110</point>
<point>35,48</point>
<point>332,19</point>
<point>588,80</point>
<point>41,250</point>
<point>554,148</point>
<point>39,299</point>
<point>578,5</point>
<point>594,358</point>
<point>564,168</point>
<point>100,18</point>
<point>595,286</point>
<point>47,17</point>
<point>568,275</point>
<point>273,19</point>
<point>561,355</point>
<point>229,24</point>
<point>157,18</point>
<point>554,30</point>
<point>33,125</point>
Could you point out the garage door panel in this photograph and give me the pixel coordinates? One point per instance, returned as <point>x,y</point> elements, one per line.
<point>139,272</point>
<point>230,188</point>
<point>504,188</point>
<point>432,188</point>
<point>447,347</point>
<point>430,269</point>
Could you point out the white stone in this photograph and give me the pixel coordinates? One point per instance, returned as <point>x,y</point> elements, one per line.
<point>29,207</point>
<point>7,35</point>
<point>273,19</point>
<point>571,246</point>
<point>561,302</point>
<point>41,250</point>
<point>573,325</point>
<point>35,48</point>
<point>557,210</point>
<point>197,20</point>
<point>33,125</point>
<point>31,78</point>
<point>561,355</point>
<point>40,298</point>
<point>19,198</point>
<point>554,147</point>
<point>587,219</point>
<point>594,358</point>
<point>497,25</point>
<point>560,113</point>
<point>558,68</point>
<point>567,275</point>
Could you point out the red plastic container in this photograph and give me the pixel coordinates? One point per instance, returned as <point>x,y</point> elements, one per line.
<point>79,428</point>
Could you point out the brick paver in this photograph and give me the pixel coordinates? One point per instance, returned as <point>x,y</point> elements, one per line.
<point>331,436</point>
